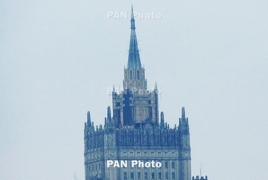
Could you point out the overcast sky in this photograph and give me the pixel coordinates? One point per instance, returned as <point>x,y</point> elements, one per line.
<point>58,58</point>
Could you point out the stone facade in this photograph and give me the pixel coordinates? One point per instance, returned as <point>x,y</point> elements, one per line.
<point>145,141</point>
<point>134,133</point>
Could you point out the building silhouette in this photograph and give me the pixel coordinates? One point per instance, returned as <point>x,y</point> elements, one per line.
<point>133,130</point>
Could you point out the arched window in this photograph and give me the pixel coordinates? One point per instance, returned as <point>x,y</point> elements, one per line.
<point>130,74</point>
<point>138,74</point>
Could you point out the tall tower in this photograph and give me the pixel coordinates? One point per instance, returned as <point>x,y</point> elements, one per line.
<point>132,131</point>
<point>135,104</point>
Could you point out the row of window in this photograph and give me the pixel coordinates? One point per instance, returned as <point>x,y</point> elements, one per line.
<point>131,75</point>
<point>152,175</point>
<point>94,167</point>
<point>152,154</point>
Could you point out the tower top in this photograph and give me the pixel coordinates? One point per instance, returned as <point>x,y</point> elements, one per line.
<point>133,55</point>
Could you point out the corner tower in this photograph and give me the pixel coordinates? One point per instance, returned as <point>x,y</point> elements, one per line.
<point>184,148</point>
<point>135,103</point>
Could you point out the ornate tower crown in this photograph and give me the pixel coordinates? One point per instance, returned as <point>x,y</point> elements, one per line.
<point>135,104</point>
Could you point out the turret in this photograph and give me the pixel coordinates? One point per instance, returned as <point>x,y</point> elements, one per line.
<point>184,148</point>
<point>162,120</point>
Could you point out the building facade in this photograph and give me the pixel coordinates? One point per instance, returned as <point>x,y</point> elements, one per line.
<point>133,133</point>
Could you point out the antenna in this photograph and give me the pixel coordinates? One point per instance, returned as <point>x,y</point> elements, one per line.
<point>200,170</point>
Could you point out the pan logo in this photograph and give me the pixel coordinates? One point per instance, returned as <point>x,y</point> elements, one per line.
<point>138,15</point>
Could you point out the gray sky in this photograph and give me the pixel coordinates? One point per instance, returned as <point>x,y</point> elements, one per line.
<point>58,58</point>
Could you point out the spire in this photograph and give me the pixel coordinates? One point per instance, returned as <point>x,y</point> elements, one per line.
<point>132,19</point>
<point>133,56</point>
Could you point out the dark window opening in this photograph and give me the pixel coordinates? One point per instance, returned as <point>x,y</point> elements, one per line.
<point>130,74</point>
<point>166,175</point>
<point>159,176</point>
<point>146,175</point>
<point>173,175</point>
<point>166,164</point>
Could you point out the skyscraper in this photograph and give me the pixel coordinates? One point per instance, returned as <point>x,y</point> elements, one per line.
<point>133,144</point>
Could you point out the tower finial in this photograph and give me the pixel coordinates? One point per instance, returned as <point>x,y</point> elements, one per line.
<point>132,19</point>
<point>132,14</point>
<point>183,113</point>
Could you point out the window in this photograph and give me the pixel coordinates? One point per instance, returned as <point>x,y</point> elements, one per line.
<point>152,175</point>
<point>173,175</point>
<point>139,175</point>
<point>130,74</point>
<point>159,176</point>
<point>125,175</point>
<point>173,165</point>
<point>146,175</point>
<point>166,164</point>
<point>138,75</point>
<point>132,175</point>
<point>166,175</point>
